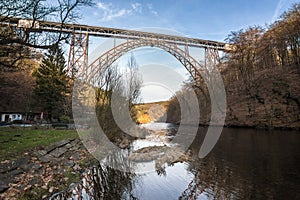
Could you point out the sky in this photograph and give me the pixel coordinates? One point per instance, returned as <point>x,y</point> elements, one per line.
<point>203,19</point>
<point>207,19</point>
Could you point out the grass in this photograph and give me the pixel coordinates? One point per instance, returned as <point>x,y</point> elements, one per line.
<point>14,141</point>
<point>71,178</point>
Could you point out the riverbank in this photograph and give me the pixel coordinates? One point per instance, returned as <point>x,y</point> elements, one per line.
<point>36,163</point>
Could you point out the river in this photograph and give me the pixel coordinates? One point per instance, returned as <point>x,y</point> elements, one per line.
<point>244,164</point>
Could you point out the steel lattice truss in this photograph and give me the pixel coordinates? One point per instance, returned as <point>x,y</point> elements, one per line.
<point>48,26</point>
<point>78,53</point>
<point>93,72</point>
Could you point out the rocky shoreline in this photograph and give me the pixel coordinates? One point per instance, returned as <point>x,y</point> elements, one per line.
<point>41,172</point>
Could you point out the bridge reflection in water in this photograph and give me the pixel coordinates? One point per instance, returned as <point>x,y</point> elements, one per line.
<point>245,164</point>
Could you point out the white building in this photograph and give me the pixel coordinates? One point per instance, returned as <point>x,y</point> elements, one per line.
<point>8,117</point>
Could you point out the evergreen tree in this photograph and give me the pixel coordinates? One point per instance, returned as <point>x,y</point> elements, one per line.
<point>52,83</point>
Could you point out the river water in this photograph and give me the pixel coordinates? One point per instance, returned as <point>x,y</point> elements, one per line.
<point>244,164</point>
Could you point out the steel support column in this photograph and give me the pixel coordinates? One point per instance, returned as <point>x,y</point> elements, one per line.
<point>211,58</point>
<point>78,54</point>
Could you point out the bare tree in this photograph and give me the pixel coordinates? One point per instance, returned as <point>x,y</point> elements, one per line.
<point>286,33</point>
<point>109,82</point>
<point>133,80</point>
<point>122,85</point>
<point>15,42</point>
<point>244,56</point>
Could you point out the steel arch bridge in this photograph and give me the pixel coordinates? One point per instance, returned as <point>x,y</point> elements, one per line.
<point>92,71</point>
<point>177,46</point>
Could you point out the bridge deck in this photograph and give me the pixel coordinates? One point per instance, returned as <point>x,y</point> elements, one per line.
<point>111,32</point>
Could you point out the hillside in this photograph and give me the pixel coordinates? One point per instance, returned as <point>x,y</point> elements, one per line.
<point>151,112</point>
<point>273,101</point>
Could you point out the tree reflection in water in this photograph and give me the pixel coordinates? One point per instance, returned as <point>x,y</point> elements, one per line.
<point>245,164</point>
<point>100,182</point>
<point>103,182</point>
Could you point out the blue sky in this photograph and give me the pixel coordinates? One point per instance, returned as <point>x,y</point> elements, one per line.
<point>204,19</point>
<point>207,19</point>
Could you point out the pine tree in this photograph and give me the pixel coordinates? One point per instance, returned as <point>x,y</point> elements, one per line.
<point>52,83</point>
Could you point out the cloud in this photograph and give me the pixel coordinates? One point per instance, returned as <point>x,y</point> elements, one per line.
<point>150,6</point>
<point>278,10</point>
<point>103,6</point>
<point>137,7</point>
<point>110,12</point>
<point>152,11</point>
<point>282,5</point>
<point>116,14</point>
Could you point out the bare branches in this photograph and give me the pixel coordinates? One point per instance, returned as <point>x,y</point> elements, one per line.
<point>61,11</point>
<point>257,49</point>
<point>133,80</point>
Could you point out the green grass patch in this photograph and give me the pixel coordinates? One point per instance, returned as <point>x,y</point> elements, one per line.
<point>14,141</point>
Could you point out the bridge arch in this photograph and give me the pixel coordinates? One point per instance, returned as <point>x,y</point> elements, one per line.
<point>213,81</point>
<point>92,72</point>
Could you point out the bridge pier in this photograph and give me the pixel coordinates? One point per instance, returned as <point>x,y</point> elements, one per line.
<point>78,53</point>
